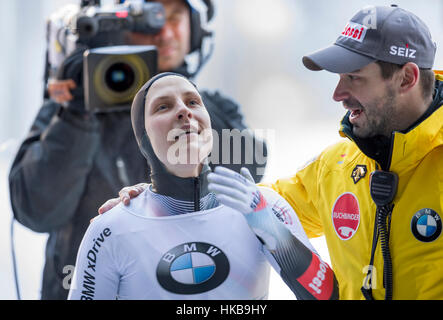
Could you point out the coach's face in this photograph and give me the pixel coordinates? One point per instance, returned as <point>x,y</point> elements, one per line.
<point>370,99</point>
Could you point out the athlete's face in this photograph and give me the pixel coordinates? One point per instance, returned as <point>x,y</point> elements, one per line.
<point>173,40</point>
<point>371,100</point>
<point>178,125</point>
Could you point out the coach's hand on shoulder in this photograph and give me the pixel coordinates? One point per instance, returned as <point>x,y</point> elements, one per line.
<point>125,196</point>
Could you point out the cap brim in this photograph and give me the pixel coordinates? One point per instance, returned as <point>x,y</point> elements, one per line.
<point>336,59</point>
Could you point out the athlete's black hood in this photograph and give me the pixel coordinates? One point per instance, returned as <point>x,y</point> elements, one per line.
<point>164,182</point>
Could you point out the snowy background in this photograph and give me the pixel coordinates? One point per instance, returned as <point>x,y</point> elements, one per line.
<point>257,62</point>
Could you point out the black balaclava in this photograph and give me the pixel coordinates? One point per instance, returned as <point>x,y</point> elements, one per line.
<point>164,182</point>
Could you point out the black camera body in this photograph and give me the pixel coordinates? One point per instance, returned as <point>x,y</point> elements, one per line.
<point>92,25</point>
<point>95,22</point>
<point>113,75</point>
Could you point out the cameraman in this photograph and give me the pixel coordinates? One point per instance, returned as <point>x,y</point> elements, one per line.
<point>73,160</point>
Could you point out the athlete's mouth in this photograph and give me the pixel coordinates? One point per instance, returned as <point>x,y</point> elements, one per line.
<point>187,130</point>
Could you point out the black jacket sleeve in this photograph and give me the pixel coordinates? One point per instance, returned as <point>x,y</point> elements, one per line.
<point>49,172</point>
<point>234,148</point>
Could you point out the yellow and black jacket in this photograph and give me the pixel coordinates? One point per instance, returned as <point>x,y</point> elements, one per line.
<point>331,196</point>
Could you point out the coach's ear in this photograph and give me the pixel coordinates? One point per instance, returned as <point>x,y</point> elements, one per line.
<point>409,76</point>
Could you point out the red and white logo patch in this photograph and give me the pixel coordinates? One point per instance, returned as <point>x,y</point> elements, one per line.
<point>318,279</point>
<point>354,31</point>
<point>346,215</point>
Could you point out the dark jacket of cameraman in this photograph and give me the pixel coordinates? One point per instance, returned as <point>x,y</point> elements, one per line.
<point>69,165</point>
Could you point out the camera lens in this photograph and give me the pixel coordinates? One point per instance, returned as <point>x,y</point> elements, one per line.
<point>87,27</point>
<point>119,77</point>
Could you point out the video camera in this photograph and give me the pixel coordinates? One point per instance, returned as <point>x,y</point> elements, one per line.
<point>112,76</point>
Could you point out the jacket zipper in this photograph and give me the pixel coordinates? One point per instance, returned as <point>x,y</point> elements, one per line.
<point>197,194</point>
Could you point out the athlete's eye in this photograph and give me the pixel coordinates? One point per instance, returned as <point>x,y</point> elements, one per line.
<point>161,107</point>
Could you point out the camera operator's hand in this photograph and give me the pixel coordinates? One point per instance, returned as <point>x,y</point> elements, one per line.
<point>60,90</point>
<point>68,87</point>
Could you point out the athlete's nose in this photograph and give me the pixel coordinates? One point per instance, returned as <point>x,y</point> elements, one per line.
<point>183,112</point>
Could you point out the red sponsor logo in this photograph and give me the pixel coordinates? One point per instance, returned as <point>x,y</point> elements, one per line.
<point>346,216</point>
<point>354,31</point>
<point>318,279</point>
